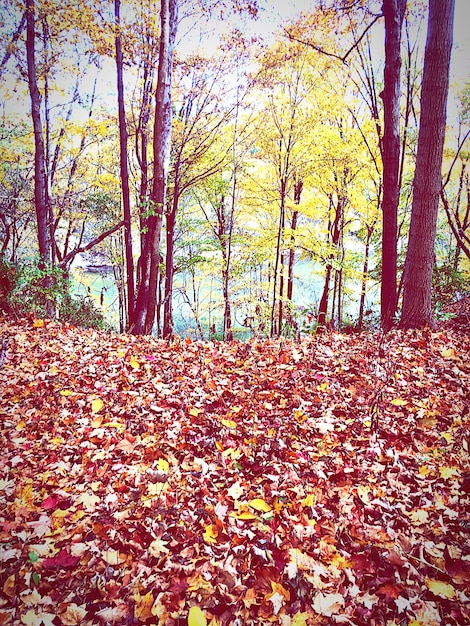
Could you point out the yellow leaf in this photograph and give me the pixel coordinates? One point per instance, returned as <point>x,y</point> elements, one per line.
<point>308,500</point>
<point>243,515</point>
<point>439,588</point>
<point>97,421</point>
<point>299,619</point>
<point>448,353</point>
<point>449,472</point>
<point>66,393</point>
<point>424,470</point>
<point>260,505</point>
<point>196,617</point>
<point>143,606</point>
<point>38,323</point>
<point>20,425</point>
<point>134,363</point>
<point>97,405</point>
<point>363,493</point>
<point>399,402</point>
<point>447,437</point>
<point>194,412</point>
<point>229,423</point>
<point>163,465</point>
<point>210,534</point>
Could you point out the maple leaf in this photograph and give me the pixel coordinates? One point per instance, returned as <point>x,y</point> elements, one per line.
<point>143,606</point>
<point>73,615</point>
<point>61,560</point>
<point>158,547</point>
<point>114,614</point>
<point>328,604</point>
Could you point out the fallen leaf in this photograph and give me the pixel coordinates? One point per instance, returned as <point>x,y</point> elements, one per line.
<point>196,617</point>
<point>440,588</point>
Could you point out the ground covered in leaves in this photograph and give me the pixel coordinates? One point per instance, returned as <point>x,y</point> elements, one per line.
<point>320,482</point>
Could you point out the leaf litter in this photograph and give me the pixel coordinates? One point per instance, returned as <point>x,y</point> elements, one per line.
<point>269,482</point>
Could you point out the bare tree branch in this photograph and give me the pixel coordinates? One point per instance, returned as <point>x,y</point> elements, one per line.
<point>73,253</point>
<point>332,54</point>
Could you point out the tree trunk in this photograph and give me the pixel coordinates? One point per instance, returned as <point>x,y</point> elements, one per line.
<point>278,262</point>
<point>144,312</point>
<point>365,272</point>
<point>335,238</point>
<point>170,267</point>
<point>40,179</point>
<point>394,11</point>
<point>126,203</point>
<point>298,185</point>
<point>427,184</point>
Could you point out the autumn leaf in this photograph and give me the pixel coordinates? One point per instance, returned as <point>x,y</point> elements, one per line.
<point>260,505</point>
<point>210,534</point>
<point>328,604</point>
<point>143,606</point>
<point>62,560</point>
<point>158,547</point>
<point>74,615</point>
<point>196,617</point>
<point>440,588</point>
<point>228,423</point>
<point>97,405</point>
<point>399,402</point>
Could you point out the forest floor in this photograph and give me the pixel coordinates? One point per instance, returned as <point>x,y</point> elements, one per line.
<point>269,482</point>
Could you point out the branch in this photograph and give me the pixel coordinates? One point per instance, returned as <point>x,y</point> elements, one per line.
<point>459,148</point>
<point>332,54</point>
<point>14,39</point>
<point>73,253</point>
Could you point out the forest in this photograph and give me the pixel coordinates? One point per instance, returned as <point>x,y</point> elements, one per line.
<point>161,177</point>
<point>234,313</point>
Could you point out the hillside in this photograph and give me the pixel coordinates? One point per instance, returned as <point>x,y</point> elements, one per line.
<point>270,482</point>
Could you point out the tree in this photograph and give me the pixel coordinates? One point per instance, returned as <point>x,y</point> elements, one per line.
<point>417,287</point>
<point>126,203</point>
<point>144,313</point>
<point>40,179</point>
<point>394,11</point>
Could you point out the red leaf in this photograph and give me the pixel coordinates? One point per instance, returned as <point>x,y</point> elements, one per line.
<point>61,559</point>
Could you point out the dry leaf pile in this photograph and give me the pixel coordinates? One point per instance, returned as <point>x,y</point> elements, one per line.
<point>270,482</point>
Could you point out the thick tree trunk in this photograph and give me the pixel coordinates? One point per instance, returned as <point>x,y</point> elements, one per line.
<point>146,303</point>
<point>417,309</point>
<point>394,11</point>
<point>126,203</point>
<point>40,179</point>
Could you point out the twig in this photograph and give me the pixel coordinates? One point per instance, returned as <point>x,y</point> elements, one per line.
<point>3,350</point>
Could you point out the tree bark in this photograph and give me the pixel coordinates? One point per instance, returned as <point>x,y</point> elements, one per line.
<point>144,312</point>
<point>126,203</point>
<point>427,183</point>
<point>394,11</point>
<point>40,179</point>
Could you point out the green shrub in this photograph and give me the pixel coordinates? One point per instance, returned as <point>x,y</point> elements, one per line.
<point>29,290</point>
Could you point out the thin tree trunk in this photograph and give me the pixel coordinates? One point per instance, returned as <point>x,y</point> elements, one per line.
<point>278,262</point>
<point>40,182</point>
<point>170,267</point>
<point>417,290</point>
<point>290,276</point>
<point>126,203</point>
<point>394,11</point>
